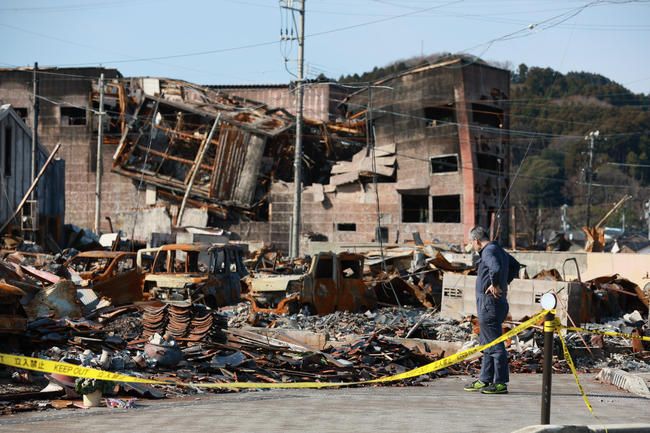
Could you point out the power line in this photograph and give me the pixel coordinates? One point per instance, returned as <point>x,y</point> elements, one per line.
<point>267,43</point>
<point>360,86</point>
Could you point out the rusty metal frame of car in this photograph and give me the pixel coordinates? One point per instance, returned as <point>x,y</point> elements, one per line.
<point>329,291</point>
<point>216,287</point>
<point>281,308</point>
<point>121,287</point>
<point>12,317</point>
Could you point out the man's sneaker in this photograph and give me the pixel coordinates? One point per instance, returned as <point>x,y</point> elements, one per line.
<point>477,385</point>
<point>495,388</point>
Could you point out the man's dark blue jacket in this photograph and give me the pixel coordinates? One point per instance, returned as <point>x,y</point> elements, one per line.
<point>492,269</point>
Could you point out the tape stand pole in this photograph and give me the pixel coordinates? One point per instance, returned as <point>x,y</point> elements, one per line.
<point>547,367</point>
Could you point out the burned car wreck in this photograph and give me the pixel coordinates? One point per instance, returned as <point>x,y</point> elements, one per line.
<point>196,273</point>
<point>334,282</point>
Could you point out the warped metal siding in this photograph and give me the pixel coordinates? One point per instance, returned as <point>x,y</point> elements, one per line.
<point>15,175</point>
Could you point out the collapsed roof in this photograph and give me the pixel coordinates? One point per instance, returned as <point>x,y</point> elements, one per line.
<point>164,125</point>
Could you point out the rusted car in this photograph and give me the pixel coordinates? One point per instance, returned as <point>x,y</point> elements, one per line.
<point>112,274</point>
<point>334,282</point>
<point>13,319</point>
<point>208,274</point>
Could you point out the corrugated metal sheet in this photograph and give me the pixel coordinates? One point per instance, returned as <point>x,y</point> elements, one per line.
<point>15,175</point>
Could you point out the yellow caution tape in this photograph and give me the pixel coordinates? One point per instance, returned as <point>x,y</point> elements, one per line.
<point>425,369</point>
<point>572,367</point>
<point>461,356</point>
<point>47,366</point>
<point>608,333</point>
<point>549,326</point>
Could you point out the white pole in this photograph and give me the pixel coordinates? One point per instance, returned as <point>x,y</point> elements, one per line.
<point>294,247</point>
<point>98,168</point>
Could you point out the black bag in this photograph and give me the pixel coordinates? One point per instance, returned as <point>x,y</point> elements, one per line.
<point>513,268</point>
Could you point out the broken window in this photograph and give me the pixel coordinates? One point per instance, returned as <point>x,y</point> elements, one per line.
<point>487,115</point>
<point>346,227</point>
<point>324,267</point>
<point>73,116</point>
<point>126,264</point>
<point>110,122</point>
<point>444,164</point>
<point>351,268</point>
<point>488,162</point>
<point>232,261</point>
<point>22,113</point>
<point>415,208</point>
<point>218,262</point>
<point>442,114</point>
<point>93,265</point>
<point>160,264</point>
<point>381,233</point>
<point>446,208</point>
<point>8,152</point>
<point>192,261</point>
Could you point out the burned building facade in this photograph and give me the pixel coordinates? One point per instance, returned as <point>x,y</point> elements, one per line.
<point>434,139</point>
<point>322,100</point>
<point>442,151</point>
<point>67,115</point>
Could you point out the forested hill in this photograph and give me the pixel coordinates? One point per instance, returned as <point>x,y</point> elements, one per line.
<point>562,109</point>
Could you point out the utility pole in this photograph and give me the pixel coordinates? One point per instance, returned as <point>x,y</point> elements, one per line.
<point>590,173</point>
<point>32,206</point>
<point>294,242</point>
<point>565,223</point>
<point>497,232</point>
<point>35,114</point>
<point>98,168</point>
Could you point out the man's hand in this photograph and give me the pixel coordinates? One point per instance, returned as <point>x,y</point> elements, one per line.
<point>494,291</point>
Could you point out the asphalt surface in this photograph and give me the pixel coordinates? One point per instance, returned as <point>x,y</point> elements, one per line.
<point>439,406</point>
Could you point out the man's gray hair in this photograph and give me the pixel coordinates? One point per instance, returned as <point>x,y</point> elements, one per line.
<point>478,233</point>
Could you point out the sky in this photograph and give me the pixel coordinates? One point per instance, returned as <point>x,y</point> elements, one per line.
<point>238,42</point>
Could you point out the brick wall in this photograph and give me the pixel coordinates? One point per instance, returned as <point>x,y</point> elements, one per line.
<point>66,88</point>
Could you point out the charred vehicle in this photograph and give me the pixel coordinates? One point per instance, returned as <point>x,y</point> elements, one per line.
<point>334,282</point>
<point>111,274</point>
<point>196,273</point>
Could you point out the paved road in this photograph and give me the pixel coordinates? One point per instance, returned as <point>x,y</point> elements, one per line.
<point>440,406</point>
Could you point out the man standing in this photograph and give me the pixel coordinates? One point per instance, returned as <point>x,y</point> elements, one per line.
<point>492,308</point>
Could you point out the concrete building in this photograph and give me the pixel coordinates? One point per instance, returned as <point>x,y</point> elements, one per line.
<point>43,214</point>
<point>66,116</point>
<point>440,134</point>
<point>321,100</point>
<point>446,126</point>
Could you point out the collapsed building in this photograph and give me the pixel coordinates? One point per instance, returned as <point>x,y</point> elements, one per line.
<point>67,115</point>
<point>441,147</point>
<point>432,164</point>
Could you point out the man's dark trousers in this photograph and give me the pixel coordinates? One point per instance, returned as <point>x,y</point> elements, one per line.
<point>491,314</point>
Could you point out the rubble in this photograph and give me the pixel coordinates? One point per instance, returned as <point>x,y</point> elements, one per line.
<point>179,334</point>
<point>388,321</point>
<point>166,140</point>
